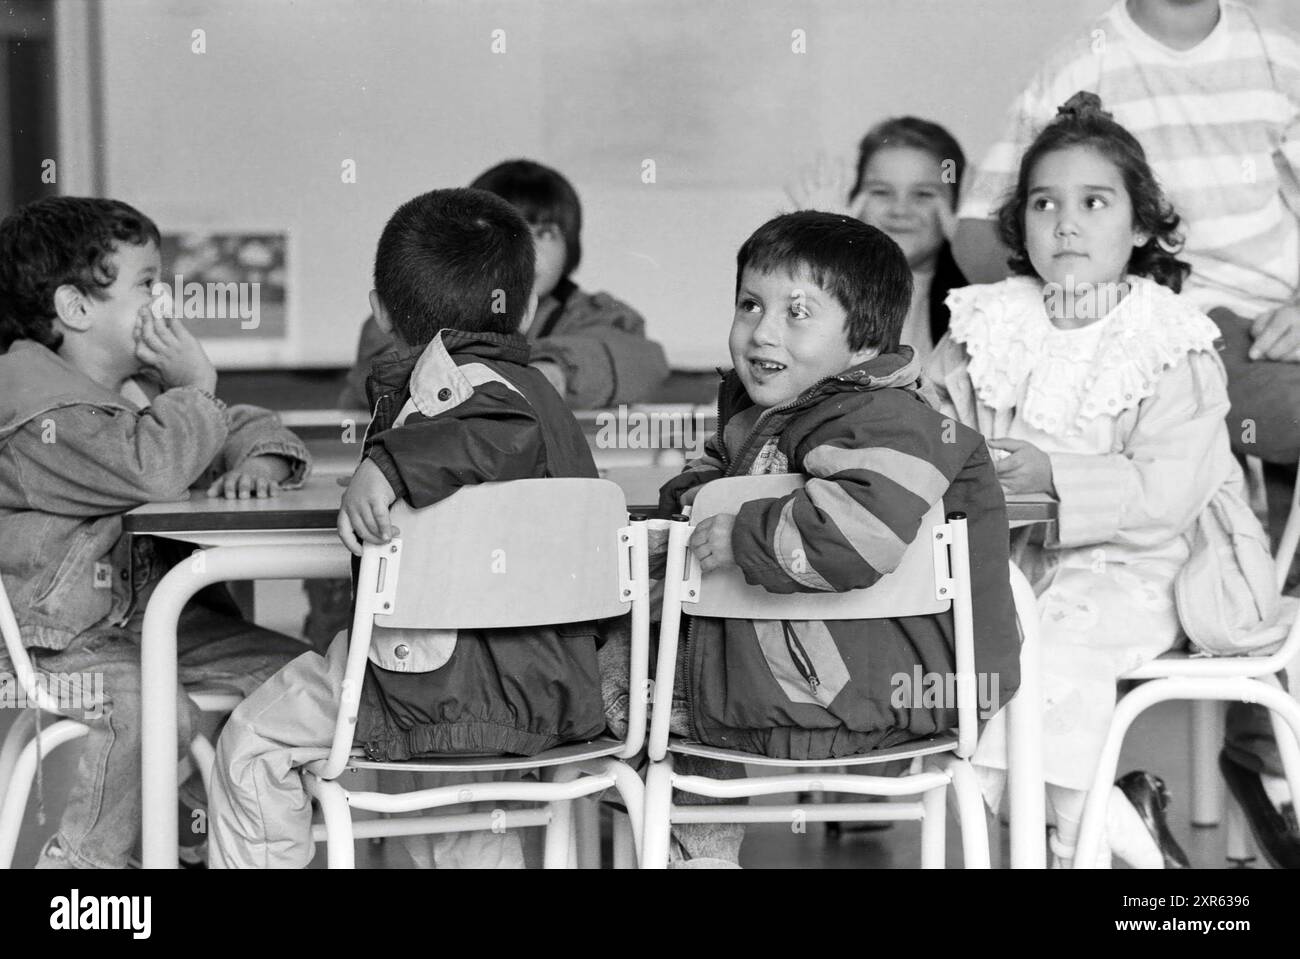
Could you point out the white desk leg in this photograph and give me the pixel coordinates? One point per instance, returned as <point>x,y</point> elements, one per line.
<point>1025,742</point>
<point>158,665</point>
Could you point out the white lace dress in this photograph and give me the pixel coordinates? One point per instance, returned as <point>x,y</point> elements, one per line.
<point>1131,412</point>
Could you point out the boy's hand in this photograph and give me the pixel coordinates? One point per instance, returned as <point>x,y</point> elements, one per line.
<point>823,185</point>
<point>364,516</point>
<point>1027,470</point>
<point>711,542</point>
<point>166,346</point>
<point>257,477</point>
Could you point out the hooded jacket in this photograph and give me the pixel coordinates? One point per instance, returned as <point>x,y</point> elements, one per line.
<point>467,409</point>
<point>74,457</point>
<point>877,456</point>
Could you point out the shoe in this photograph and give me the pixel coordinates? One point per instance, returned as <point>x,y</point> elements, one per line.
<point>1148,795</point>
<point>1276,834</point>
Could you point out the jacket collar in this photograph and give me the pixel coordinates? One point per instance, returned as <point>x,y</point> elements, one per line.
<point>429,370</point>
<point>900,370</point>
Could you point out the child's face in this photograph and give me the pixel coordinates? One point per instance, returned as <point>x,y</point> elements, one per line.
<point>904,195</point>
<point>115,317</point>
<point>788,334</point>
<point>1079,219</point>
<point>548,242</point>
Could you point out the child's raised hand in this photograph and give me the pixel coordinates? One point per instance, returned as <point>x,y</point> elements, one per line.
<point>822,185</point>
<point>363,517</point>
<point>1026,470</point>
<point>166,346</point>
<point>257,477</point>
<point>711,542</point>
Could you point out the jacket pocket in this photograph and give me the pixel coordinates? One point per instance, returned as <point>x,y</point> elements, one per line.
<point>411,650</point>
<point>803,659</point>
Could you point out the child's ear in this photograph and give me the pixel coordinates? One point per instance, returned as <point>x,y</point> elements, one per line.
<point>381,313</point>
<point>530,313</point>
<point>71,308</point>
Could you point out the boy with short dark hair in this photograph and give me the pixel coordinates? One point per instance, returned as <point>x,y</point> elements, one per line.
<point>820,386</point>
<point>106,404</point>
<point>455,404</point>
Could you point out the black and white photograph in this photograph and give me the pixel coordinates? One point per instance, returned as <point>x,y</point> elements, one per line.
<point>652,434</point>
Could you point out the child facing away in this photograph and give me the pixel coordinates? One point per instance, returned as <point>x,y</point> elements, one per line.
<point>455,404</point>
<point>106,404</point>
<point>591,346</point>
<point>1102,387</point>
<point>821,386</point>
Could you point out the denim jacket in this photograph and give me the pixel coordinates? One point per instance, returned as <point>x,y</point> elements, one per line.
<point>74,457</point>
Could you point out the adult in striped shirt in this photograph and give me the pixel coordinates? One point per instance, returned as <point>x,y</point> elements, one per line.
<point>1212,92</point>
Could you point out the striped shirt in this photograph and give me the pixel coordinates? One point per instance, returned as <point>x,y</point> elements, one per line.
<point>1220,124</point>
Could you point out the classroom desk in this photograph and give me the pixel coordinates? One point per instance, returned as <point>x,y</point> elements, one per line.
<point>292,536</point>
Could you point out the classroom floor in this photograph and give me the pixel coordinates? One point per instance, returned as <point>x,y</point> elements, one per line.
<point>1158,742</point>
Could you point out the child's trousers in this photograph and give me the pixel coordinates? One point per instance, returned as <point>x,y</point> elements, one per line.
<point>259,813</point>
<point>101,668</point>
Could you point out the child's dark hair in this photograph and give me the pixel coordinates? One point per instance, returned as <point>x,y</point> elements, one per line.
<point>857,264</point>
<point>454,259</point>
<point>543,196</point>
<point>1082,122</point>
<point>57,241</point>
<point>919,135</point>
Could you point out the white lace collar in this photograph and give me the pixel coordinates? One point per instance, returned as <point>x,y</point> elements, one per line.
<point>1008,336</point>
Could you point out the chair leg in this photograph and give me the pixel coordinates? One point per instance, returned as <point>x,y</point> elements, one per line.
<point>1092,829</point>
<point>205,757</point>
<point>624,842</point>
<point>558,830</point>
<point>657,825</point>
<point>337,814</point>
<point>1207,739</point>
<point>934,827</point>
<point>971,815</point>
<point>14,804</point>
<point>20,733</point>
<point>586,830</point>
<point>1241,848</point>
<point>632,791</point>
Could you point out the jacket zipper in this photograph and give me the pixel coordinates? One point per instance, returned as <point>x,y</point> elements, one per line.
<point>799,656</point>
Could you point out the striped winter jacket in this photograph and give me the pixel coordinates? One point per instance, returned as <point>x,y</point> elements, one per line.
<point>877,456</point>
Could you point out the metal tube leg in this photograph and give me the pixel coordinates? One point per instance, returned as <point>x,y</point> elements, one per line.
<point>587,832</point>
<point>20,782</point>
<point>657,829</point>
<point>1092,830</point>
<point>1207,740</point>
<point>624,844</point>
<point>1025,794</point>
<point>971,814</point>
<point>934,827</point>
<point>205,757</point>
<point>19,735</point>
<point>333,801</point>
<point>1241,849</point>
<point>556,853</point>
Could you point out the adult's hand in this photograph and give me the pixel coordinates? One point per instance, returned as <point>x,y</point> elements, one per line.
<point>1277,335</point>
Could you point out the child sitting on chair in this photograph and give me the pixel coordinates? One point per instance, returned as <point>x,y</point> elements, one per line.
<point>821,386</point>
<point>106,404</point>
<point>456,404</point>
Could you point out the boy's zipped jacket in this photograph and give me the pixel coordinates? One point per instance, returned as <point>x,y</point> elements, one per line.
<point>75,456</point>
<point>876,456</point>
<point>467,409</point>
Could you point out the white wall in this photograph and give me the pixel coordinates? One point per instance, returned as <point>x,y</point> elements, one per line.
<point>254,132</point>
